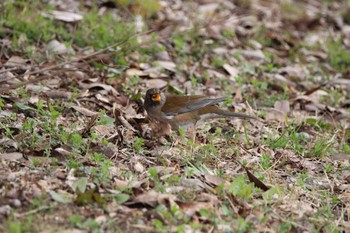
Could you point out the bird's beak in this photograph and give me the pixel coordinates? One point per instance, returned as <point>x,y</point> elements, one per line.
<point>156,97</point>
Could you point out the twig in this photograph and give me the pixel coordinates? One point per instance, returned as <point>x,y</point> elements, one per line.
<point>143,227</point>
<point>10,69</point>
<point>32,211</point>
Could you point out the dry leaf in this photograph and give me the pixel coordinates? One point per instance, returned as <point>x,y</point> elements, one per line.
<point>231,70</point>
<point>254,179</point>
<point>341,157</point>
<point>168,65</point>
<point>57,47</point>
<point>191,208</point>
<point>84,111</point>
<point>273,114</point>
<point>58,94</point>
<point>213,179</point>
<point>253,54</point>
<point>14,156</point>
<point>155,83</point>
<point>135,72</point>
<point>65,16</point>
<point>282,106</point>
<point>139,167</point>
<point>152,198</point>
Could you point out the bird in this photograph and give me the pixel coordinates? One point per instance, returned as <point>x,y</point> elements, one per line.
<point>175,111</point>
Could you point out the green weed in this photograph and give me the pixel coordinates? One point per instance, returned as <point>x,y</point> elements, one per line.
<point>138,144</point>
<point>241,189</point>
<point>27,27</point>
<point>338,57</point>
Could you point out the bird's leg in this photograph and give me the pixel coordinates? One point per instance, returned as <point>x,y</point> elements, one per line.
<point>191,133</point>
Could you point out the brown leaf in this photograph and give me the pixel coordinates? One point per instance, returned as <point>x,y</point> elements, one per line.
<point>342,82</point>
<point>105,87</point>
<point>135,72</point>
<point>195,184</point>
<point>36,88</point>
<point>121,183</point>
<point>274,114</point>
<point>168,65</point>
<point>89,125</point>
<point>282,106</point>
<point>213,179</point>
<point>231,70</point>
<point>102,98</point>
<point>152,198</point>
<point>58,94</point>
<point>57,47</point>
<point>65,16</point>
<point>16,61</point>
<point>120,118</point>
<point>14,156</point>
<point>64,151</point>
<point>155,83</point>
<point>163,56</point>
<point>139,167</point>
<point>253,54</point>
<point>191,208</point>
<point>295,71</point>
<point>279,82</point>
<point>312,166</point>
<point>85,111</point>
<point>309,92</point>
<point>254,179</point>
<point>341,157</point>
<point>103,130</point>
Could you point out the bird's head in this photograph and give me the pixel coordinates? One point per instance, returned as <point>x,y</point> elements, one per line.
<point>154,99</point>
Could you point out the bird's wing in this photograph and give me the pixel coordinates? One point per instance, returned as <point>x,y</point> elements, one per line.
<point>200,104</point>
<point>182,104</point>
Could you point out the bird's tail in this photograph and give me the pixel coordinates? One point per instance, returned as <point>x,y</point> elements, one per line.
<point>215,112</point>
<point>235,114</point>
